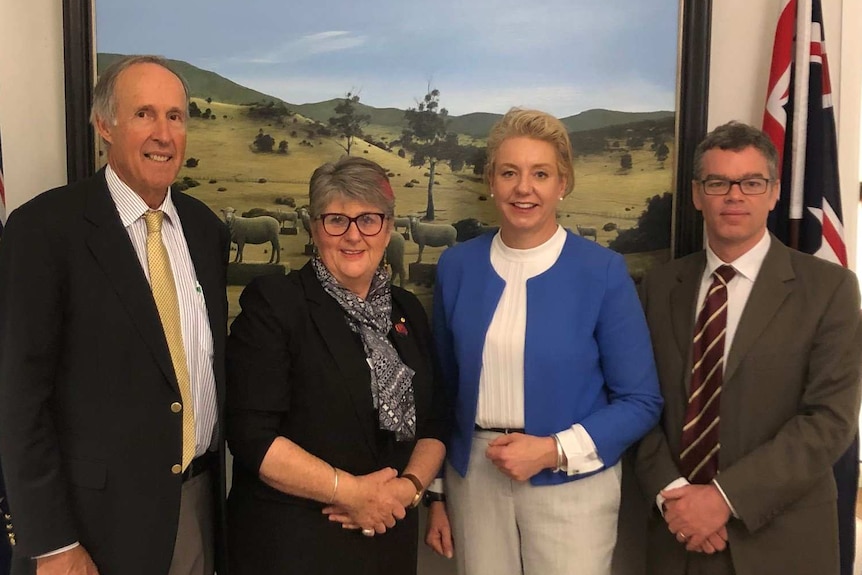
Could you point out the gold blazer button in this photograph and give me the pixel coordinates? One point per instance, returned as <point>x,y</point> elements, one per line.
<point>176,407</point>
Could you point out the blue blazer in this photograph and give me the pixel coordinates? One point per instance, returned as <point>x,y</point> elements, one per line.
<point>587,355</point>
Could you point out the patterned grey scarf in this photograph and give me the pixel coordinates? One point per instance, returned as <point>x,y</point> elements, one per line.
<point>391,379</point>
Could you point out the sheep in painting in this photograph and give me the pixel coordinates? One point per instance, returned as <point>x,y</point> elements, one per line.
<point>305,218</point>
<point>281,216</point>
<point>395,256</point>
<point>402,222</point>
<point>257,230</point>
<point>434,235</point>
<point>587,232</point>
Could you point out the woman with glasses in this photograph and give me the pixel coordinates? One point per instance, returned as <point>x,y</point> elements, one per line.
<point>546,355</point>
<point>333,412</point>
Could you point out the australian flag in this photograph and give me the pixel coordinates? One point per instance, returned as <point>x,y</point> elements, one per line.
<point>799,119</point>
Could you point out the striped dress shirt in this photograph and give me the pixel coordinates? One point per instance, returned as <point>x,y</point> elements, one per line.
<point>197,336</point>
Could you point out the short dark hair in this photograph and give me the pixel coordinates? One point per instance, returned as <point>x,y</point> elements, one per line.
<point>351,178</point>
<point>736,136</point>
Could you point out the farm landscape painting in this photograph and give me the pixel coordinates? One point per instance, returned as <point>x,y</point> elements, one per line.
<point>280,88</point>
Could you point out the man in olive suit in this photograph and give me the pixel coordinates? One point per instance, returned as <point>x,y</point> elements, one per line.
<point>758,349</point>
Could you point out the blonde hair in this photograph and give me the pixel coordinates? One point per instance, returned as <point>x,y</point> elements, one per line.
<point>537,125</point>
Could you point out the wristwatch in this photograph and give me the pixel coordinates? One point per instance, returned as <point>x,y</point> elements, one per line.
<point>432,496</point>
<point>419,489</point>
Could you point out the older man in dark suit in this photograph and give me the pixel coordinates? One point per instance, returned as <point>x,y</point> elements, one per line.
<point>758,349</point>
<point>112,331</point>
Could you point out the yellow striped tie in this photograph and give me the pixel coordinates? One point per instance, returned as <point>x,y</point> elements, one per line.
<point>165,294</point>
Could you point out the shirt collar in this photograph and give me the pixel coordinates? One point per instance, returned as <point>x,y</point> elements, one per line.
<point>130,206</point>
<point>747,265</point>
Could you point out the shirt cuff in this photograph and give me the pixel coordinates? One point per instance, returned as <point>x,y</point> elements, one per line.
<point>58,551</point>
<point>678,482</point>
<point>437,486</point>
<point>580,451</point>
<point>726,500</point>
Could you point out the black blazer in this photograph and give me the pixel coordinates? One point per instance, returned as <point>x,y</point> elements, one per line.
<point>295,369</point>
<point>87,435</point>
<point>5,522</point>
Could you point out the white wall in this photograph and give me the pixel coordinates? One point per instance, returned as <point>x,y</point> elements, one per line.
<point>32,115</point>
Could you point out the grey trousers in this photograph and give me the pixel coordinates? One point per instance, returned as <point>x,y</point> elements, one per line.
<point>507,527</point>
<point>194,549</point>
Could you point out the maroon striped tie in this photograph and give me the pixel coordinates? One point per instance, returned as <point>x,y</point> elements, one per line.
<point>699,447</point>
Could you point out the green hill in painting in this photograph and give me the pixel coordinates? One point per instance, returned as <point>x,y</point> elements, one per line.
<point>478,124</point>
<point>322,111</point>
<point>205,84</point>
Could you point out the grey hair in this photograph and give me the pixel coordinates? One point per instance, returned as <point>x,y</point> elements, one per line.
<point>350,178</point>
<point>736,136</point>
<point>104,94</point>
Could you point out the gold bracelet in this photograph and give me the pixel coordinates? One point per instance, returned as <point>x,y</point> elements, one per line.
<point>419,489</point>
<point>335,485</point>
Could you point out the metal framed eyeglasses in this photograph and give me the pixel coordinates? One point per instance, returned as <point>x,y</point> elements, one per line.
<point>368,224</point>
<point>748,186</point>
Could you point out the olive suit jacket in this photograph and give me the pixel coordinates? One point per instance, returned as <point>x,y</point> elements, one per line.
<point>87,435</point>
<point>789,408</point>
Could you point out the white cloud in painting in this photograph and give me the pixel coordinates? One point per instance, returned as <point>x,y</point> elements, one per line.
<point>333,41</point>
<point>306,47</point>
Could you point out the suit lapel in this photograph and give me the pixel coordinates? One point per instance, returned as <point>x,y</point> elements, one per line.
<point>347,357</point>
<point>683,300</point>
<point>404,340</point>
<point>773,285</point>
<point>112,249</point>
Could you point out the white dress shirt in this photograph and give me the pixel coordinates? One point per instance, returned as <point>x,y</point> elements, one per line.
<point>197,336</point>
<point>747,266</point>
<point>501,382</point>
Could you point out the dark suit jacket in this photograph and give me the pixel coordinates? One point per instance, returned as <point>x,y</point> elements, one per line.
<point>6,524</point>
<point>295,369</point>
<point>87,435</point>
<point>789,408</point>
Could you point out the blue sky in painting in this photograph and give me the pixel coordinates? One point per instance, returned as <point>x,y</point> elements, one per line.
<point>563,56</point>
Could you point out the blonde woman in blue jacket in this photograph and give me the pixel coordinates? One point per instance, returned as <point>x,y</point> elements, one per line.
<point>549,367</point>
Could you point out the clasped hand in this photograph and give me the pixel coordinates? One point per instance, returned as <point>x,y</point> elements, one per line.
<point>374,501</point>
<point>697,516</point>
<point>75,561</point>
<point>521,456</point>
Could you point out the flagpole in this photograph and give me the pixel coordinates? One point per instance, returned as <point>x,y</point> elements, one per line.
<point>802,59</point>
